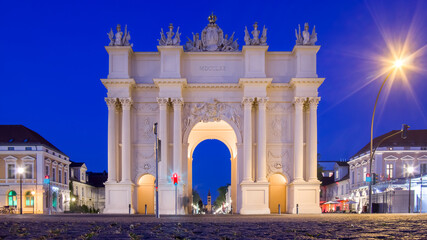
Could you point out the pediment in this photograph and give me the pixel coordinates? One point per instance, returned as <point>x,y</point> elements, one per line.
<point>10,158</point>
<point>391,157</point>
<point>28,158</point>
<point>423,157</point>
<point>407,157</point>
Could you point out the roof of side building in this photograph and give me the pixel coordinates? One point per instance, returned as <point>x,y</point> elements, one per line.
<point>19,135</point>
<point>415,138</point>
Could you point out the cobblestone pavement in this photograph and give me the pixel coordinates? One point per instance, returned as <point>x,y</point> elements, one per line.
<point>326,226</point>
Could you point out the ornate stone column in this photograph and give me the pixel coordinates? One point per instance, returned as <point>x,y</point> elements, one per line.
<point>298,139</point>
<point>262,141</point>
<point>247,140</point>
<point>126,147</point>
<point>163,135</point>
<point>177,135</point>
<point>111,103</point>
<point>313,101</point>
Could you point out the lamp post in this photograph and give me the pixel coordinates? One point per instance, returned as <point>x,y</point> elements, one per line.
<point>397,64</point>
<point>20,172</point>
<point>410,171</point>
<point>33,193</point>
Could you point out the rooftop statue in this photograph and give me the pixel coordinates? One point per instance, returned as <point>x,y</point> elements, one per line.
<point>256,40</point>
<point>169,41</point>
<point>212,39</point>
<point>119,39</point>
<point>306,38</point>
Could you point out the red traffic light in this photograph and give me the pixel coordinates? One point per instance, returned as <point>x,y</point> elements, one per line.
<point>46,177</point>
<point>368,175</point>
<point>175,178</point>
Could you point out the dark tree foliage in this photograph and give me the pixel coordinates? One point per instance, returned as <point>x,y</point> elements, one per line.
<point>221,197</point>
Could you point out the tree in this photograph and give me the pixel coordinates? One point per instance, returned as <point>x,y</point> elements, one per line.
<point>200,203</point>
<point>196,197</point>
<point>221,197</point>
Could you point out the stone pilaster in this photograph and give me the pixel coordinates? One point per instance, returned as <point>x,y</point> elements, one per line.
<point>313,101</point>
<point>177,135</point>
<point>262,141</point>
<point>163,135</point>
<point>112,168</point>
<point>247,140</point>
<point>298,139</point>
<point>126,143</point>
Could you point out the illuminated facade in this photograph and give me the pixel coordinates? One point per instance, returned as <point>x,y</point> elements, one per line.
<point>21,147</point>
<point>391,162</point>
<point>261,104</point>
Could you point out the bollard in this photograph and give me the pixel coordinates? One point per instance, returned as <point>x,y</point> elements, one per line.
<point>279,209</point>
<point>145,209</point>
<point>129,208</point>
<point>297,208</point>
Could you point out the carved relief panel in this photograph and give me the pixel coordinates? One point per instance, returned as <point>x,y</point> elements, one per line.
<point>211,111</point>
<point>279,161</point>
<point>145,162</point>
<point>279,122</point>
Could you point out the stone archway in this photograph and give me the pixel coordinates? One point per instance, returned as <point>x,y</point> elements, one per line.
<point>277,193</point>
<point>219,130</point>
<point>145,194</point>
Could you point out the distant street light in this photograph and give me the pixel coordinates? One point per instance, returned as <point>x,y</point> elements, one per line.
<point>20,172</point>
<point>410,171</point>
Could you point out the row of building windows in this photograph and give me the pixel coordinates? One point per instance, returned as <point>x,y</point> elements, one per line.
<point>31,148</point>
<point>12,199</point>
<point>53,176</point>
<point>12,171</point>
<point>389,172</point>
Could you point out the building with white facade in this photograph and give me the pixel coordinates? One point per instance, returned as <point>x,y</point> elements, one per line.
<point>261,104</point>
<point>87,187</point>
<point>391,162</point>
<point>21,147</point>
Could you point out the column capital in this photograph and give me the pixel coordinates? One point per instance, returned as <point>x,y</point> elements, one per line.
<point>313,101</point>
<point>162,101</point>
<point>111,102</point>
<point>248,101</point>
<point>126,103</point>
<point>177,101</point>
<point>299,101</point>
<point>262,100</point>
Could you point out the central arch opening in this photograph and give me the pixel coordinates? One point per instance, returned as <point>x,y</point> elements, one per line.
<point>211,176</point>
<point>215,140</point>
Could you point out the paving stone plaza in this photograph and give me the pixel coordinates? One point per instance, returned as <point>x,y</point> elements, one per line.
<point>326,226</point>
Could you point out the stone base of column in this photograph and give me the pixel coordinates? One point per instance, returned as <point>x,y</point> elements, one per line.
<point>167,199</point>
<point>118,196</point>
<point>306,196</point>
<point>254,198</point>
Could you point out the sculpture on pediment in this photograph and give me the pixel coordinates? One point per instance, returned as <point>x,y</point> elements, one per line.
<point>212,111</point>
<point>212,39</point>
<point>120,38</point>
<point>256,40</point>
<point>306,38</point>
<point>168,40</point>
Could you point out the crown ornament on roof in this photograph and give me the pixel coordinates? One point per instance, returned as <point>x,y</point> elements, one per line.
<point>212,39</point>
<point>212,18</point>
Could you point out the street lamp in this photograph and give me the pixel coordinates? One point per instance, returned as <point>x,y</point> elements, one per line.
<point>33,193</point>
<point>20,172</point>
<point>410,171</point>
<point>398,63</point>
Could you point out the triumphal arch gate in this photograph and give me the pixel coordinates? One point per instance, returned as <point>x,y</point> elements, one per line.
<point>262,105</point>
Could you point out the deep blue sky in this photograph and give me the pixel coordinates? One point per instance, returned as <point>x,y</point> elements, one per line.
<point>52,57</point>
<point>211,168</point>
